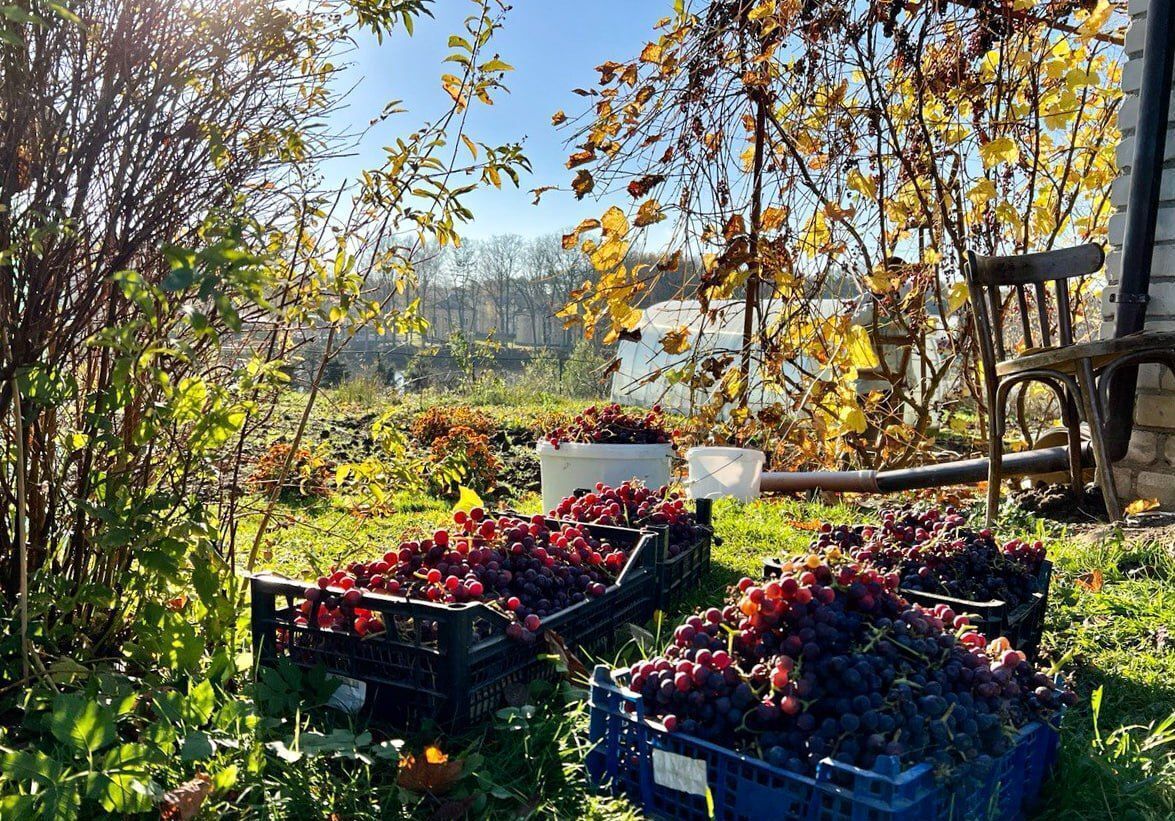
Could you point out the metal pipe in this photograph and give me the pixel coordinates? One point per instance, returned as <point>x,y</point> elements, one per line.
<point>966,471</point>
<point>1142,208</point>
<point>838,481</point>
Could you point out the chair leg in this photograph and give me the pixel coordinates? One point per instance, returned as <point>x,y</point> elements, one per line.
<point>1072,419</point>
<point>995,449</point>
<point>1093,415</point>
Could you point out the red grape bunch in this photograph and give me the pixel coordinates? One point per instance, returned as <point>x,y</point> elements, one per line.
<point>829,661</point>
<point>518,564</point>
<point>634,505</point>
<point>612,425</point>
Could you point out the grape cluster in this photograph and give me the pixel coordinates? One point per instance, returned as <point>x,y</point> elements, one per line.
<point>632,504</point>
<point>933,551</point>
<point>612,425</point>
<point>519,565</point>
<point>829,661</point>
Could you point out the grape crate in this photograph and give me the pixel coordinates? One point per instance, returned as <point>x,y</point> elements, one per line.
<point>450,644</point>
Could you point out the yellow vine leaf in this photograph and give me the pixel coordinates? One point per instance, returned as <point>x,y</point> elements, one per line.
<point>765,9</point>
<point>772,218</point>
<point>982,193</point>
<point>1097,19</point>
<point>860,349</point>
<point>649,213</point>
<point>614,222</point>
<point>609,254</point>
<point>957,296</point>
<point>999,150</point>
<point>676,341</point>
<point>816,234</point>
<point>865,186</point>
<point>467,500</point>
<point>853,419</point>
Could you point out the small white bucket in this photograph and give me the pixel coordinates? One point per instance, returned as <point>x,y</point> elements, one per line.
<point>716,472</point>
<point>576,465</point>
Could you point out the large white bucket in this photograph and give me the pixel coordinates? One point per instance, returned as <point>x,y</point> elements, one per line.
<point>580,465</point>
<point>715,472</point>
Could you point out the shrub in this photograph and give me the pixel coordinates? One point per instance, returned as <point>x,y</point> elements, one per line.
<point>436,422</point>
<point>363,388</point>
<point>541,373</point>
<point>583,372</point>
<point>464,452</point>
<point>309,474</point>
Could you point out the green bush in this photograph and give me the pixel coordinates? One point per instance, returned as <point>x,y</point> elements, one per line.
<point>583,372</point>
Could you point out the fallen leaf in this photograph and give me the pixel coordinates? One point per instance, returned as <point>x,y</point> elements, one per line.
<point>1141,506</point>
<point>810,524</point>
<point>184,801</point>
<point>572,668</point>
<point>432,772</point>
<point>1091,581</point>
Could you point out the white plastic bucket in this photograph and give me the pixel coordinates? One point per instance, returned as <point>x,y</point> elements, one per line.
<point>576,465</point>
<point>715,472</point>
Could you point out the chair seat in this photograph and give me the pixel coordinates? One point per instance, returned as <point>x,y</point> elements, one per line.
<point>1101,351</point>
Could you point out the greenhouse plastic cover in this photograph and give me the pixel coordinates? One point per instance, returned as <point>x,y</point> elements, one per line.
<point>721,332</point>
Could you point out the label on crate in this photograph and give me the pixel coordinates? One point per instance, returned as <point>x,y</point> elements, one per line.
<point>349,695</point>
<point>679,772</point>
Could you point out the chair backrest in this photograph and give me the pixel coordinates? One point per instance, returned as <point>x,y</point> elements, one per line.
<point>987,277</point>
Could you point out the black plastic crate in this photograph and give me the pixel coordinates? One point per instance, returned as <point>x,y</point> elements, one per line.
<point>451,663</point>
<point>1022,625</point>
<point>679,576</point>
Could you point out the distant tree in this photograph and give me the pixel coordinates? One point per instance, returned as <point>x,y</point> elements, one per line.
<point>461,273</point>
<point>501,258</point>
<point>552,273</point>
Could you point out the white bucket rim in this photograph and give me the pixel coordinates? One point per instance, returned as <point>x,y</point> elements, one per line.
<point>595,450</point>
<point>722,450</point>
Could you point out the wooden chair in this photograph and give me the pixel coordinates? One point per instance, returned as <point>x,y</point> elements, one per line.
<point>1045,353</point>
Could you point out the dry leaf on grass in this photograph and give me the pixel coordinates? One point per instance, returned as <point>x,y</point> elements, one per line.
<point>432,772</point>
<point>1141,506</point>
<point>184,801</point>
<point>573,669</point>
<point>1091,581</point>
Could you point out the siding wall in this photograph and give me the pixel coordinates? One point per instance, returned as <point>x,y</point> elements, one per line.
<point>1148,471</point>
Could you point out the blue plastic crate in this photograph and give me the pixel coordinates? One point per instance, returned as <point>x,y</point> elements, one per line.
<point>669,775</point>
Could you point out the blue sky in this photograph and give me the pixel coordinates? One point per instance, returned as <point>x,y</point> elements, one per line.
<point>554,46</point>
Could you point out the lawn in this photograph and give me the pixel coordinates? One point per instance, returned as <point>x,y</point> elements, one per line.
<point>1111,607</point>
